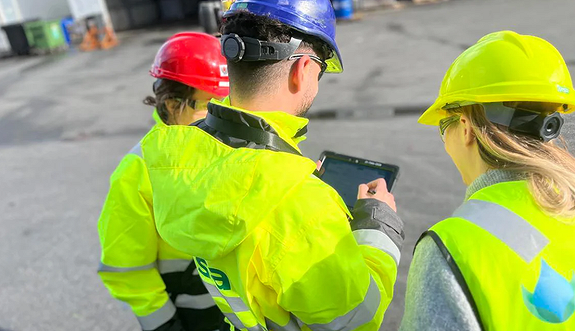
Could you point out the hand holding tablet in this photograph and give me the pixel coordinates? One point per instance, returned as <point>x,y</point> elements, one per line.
<point>346,173</point>
<point>377,189</point>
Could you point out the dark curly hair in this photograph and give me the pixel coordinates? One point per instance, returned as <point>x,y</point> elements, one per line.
<point>165,89</point>
<point>248,78</point>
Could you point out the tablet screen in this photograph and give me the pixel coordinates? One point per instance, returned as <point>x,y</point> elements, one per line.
<point>345,177</point>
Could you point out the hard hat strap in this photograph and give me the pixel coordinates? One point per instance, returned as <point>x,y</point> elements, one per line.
<point>236,48</point>
<point>531,123</point>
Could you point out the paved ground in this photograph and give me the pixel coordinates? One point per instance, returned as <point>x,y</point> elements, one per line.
<point>67,120</point>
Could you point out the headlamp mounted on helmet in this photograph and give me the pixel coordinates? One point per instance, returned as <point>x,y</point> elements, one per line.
<point>541,125</point>
<point>236,48</point>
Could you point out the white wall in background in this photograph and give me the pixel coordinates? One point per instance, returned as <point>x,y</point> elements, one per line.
<point>84,8</point>
<point>44,9</point>
<point>9,12</point>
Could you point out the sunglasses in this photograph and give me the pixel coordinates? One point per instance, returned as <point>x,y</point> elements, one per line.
<point>445,123</point>
<point>319,61</point>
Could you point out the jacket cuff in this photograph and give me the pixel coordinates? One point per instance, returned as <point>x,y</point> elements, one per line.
<point>376,224</point>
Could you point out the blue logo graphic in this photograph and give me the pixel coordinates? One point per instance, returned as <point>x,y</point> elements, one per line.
<point>553,300</point>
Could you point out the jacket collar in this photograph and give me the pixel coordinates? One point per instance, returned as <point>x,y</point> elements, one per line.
<point>290,128</point>
<point>157,118</point>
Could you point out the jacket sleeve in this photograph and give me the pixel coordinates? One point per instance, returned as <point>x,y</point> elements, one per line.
<point>434,299</point>
<point>333,278</point>
<point>129,246</point>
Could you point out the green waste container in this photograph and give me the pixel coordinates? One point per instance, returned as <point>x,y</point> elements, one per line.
<point>46,35</point>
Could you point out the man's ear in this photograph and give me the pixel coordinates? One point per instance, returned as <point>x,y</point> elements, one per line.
<point>468,134</point>
<point>299,70</point>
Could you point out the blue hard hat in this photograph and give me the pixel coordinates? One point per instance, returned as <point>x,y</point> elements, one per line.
<point>310,17</point>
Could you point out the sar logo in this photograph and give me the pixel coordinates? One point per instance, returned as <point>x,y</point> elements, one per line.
<point>553,299</point>
<point>220,279</point>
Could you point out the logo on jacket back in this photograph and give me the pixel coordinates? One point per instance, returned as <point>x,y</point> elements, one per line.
<point>553,299</point>
<point>220,279</point>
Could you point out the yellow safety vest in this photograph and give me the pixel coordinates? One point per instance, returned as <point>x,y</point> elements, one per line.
<point>515,262</point>
<point>134,258</point>
<point>272,242</point>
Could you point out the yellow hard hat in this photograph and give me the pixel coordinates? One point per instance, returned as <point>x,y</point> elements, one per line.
<point>226,4</point>
<point>504,66</point>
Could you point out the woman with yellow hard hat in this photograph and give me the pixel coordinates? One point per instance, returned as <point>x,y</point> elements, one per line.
<point>505,260</point>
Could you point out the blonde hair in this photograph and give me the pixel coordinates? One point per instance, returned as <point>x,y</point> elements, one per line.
<point>548,167</point>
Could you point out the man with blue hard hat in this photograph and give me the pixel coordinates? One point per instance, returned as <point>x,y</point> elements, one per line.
<point>275,246</point>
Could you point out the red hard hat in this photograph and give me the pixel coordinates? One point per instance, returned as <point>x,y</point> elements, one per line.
<point>193,59</point>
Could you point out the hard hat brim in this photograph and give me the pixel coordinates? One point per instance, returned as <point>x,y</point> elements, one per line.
<point>208,84</point>
<point>436,112</point>
<point>432,115</point>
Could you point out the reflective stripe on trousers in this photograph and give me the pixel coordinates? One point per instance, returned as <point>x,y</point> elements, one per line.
<point>202,301</point>
<point>238,306</point>
<point>169,266</point>
<point>157,318</point>
<point>518,234</point>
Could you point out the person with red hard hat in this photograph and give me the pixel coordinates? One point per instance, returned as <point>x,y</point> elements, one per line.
<point>188,80</point>
<point>158,282</point>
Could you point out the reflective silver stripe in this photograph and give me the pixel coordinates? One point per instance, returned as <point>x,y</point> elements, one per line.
<point>358,316</point>
<point>168,266</point>
<point>379,240</point>
<point>234,320</point>
<point>291,326</point>
<point>510,228</point>
<point>239,325</point>
<point>257,328</point>
<point>137,150</point>
<point>159,317</point>
<point>107,268</point>
<point>213,290</point>
<point>237,305</point>
<point>202,301</point>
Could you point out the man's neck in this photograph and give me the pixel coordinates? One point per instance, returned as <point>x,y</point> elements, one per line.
<point>266,103</point>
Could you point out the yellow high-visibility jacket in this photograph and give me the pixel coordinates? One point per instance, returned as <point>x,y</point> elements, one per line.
<point>273,243</point>
<point>137,266</point>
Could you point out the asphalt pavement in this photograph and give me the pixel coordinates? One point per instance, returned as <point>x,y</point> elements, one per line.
<point>67,120</point>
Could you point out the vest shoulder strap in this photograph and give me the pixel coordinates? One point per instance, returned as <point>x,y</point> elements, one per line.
<point>504,224</point>
<point>455,270</point>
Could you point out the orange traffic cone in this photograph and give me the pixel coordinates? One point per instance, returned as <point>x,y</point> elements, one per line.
<point>91,40</point>
<point>109,39</point>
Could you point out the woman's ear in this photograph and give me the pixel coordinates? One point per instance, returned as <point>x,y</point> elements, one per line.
<point>468,134</point>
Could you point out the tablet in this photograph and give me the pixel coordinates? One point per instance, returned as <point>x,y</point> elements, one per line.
<point>345,173</point>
